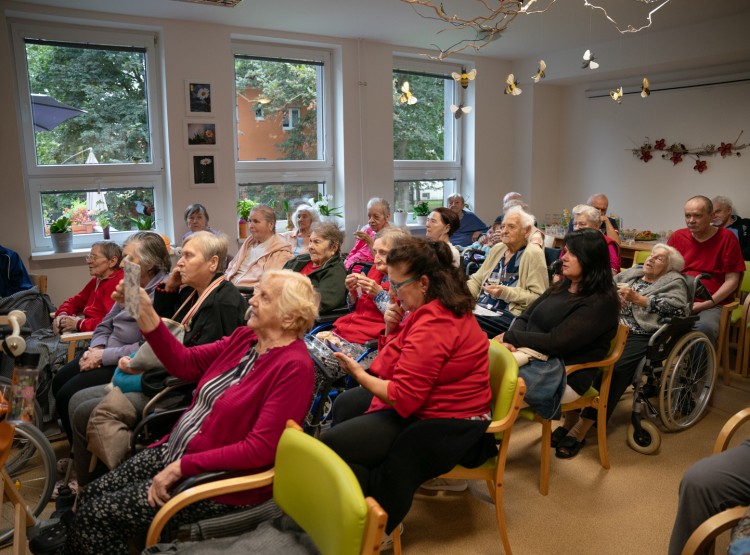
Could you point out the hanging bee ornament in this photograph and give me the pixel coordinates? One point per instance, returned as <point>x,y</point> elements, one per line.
<point>588,60</point>
<point>512,86</point>
<point>645,91</point>
<point>460,110</point>
<point>539,75</point>
<point>406,96</point>
<point>616,95</point>
<point>465,76</point>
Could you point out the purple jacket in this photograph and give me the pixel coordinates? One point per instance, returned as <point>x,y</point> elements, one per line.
<point>243,428</point>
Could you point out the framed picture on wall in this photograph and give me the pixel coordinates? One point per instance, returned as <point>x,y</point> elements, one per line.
<point>200,135</point>
<point>199,100</point>
<point>202,170</point>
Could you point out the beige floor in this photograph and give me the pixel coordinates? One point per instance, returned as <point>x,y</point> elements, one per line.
<point>628,509</point>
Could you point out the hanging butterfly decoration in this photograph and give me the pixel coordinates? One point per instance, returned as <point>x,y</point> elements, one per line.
<point>465,76</point>
<point>645,91</point>
<point>588,60</point>
<point>512,86</point>
<point>406,96</point>
<point>460,110</point>
<point>539,75</point>
<point>616,95</point>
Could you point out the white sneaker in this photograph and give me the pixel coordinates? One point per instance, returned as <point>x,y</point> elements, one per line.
<point>387,541</point>
<point>443,484</point>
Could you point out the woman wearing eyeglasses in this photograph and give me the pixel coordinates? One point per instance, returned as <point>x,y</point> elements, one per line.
<point>429,385</point>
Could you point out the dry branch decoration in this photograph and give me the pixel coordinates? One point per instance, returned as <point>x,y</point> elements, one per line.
<point>677,151</point>
<point>497,16</point>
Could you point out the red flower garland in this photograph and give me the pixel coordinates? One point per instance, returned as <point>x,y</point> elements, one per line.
<point>676,151</point>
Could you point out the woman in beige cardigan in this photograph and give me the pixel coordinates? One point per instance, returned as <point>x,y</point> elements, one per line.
<point>262,250</point>
<point>512,276</point>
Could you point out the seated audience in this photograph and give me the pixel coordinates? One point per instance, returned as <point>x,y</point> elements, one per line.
<point>487,240</point>
<point>117,335</point>
<point>537,235</point>
<point>649,294</point>
<point>442,223</point>
<point>249,385</point>
<point>711,250</point>
<point>429,392</point>
<point>196,219</point>
<point>573,322</point>
<point>585,216</point>
<point>512,276</point>
<point>471,226</point>
<point>195,293</point>
<point>710,486</point>
<point>13,274</point>
<point>303,218</point>
<point>378,216</point>
<point>262,250</point>
<point>367,295</point>
<point>724,216</point>
<point>607,225</point>
<point>323,265</point>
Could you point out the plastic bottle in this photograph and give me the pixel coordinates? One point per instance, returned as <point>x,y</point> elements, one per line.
<point>25,376</point>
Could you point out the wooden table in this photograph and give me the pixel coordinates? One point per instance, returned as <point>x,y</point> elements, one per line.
<point>627,250</point>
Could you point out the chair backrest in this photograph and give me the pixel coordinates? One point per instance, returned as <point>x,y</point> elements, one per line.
<point>315,487</point>
<point>40,280</point>
<point>745,284</point>
<point>640,257</point>
<point>503,380</point>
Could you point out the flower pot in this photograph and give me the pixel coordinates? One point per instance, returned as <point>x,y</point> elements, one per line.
<point>62,242</point>
<point>243,229</point>
<point>421,220</point>
<point>399,219</point>
<point>105,232</point>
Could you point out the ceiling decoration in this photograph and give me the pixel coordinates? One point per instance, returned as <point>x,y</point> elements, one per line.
<point>225,3</point>
<point>492,18</point>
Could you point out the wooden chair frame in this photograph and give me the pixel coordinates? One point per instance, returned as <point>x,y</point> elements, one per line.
<point>726,327</point>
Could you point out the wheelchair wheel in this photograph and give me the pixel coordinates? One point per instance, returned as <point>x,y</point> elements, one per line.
<point>37,407</point>
<point>687,381</point>
<point>648,441</point>
<point>31,467</point>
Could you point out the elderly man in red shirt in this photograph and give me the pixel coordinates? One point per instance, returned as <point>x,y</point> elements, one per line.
<point>711,250</point>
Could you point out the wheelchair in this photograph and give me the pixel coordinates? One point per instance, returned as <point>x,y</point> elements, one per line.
<point>679,370</point>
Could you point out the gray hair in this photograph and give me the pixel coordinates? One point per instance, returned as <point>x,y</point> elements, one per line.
<point>151,250</point>
<point>515,202</point>
<point>382,203</point>
<point>526,219</point>
<point>390,233</point>
<point>676,261</point>
<point>456,195</point>
<point>512,196</point>
<point>297,300</point>
<point>266,213</point>
<point>110,250</point>
<point>330,232</point>
<point>196,208</point>
<point>314,216</point>
<point>592,215</point>
<point>723,201</point>
<point>210,245</point>
<point>596,196</point>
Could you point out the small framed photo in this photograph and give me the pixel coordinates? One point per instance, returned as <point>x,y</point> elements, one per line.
<point>202,170</point>
<point>199,99</point>
<point>200,135</point>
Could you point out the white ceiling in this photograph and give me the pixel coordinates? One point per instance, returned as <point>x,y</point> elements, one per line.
<point>567,25</point>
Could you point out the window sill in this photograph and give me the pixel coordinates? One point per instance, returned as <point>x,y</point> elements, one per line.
<point>75,253</point>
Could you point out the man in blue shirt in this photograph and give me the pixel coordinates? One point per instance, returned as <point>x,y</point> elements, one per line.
<point>471,226</point>
<point>13,275</point>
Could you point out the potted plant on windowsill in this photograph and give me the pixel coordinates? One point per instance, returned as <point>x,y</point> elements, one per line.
<point>244,207</point>
<point>327,214</point>
<point>399,217</point>
<point>421,211</point>
<point>102,218</point>
<point>61,233</point>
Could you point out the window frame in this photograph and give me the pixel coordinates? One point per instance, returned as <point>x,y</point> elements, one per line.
<point>89,177</point>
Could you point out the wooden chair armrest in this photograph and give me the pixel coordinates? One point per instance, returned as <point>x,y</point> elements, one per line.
<point>583,366</point>
<point>706,533</point>
<point>199,493</point>
<point>729,307</point>
<point>728,430</point>
<point>76,336</point>
<point>510,418</point>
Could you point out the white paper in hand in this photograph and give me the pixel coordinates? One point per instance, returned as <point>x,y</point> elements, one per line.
<point>132,287</point>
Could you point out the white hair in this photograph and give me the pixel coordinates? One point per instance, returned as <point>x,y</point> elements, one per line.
<point>526,219</point>
<point>676,261</point>
<point>591,214</point>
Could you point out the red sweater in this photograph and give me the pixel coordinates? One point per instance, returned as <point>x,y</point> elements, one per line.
<point>93,302</point>
<point>366,322</point>
<point>243,428</point>
<point>437,364</point>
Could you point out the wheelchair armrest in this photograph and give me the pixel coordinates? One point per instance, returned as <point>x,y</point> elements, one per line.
<point>165,419</point>
<point>330,317</point>
<point>371,345</point>
<point>173,381</point>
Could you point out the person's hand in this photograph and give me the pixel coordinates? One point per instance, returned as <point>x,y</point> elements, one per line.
<point>56,324</point>
<point>91,359</point>
<point>158,491</point>
<point>148,319</point>
<point>703,305</point>
<point>68,324</point>
<point>393,316</point>
<point>174,280</point>
<point>351,283</point>
<point>494,291</point>
<point>628,295</point>
<point>369,286</point>
<point>350,366</point>
<point>124,366</point>
<point>364,237</point>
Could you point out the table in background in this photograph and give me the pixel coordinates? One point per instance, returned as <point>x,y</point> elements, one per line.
<point>627,251</point>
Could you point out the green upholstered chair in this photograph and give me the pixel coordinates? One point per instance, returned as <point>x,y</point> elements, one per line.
<point>507,396</point>
<point>311,484</point>
<point>640,257</point>
<point>591,398</point>
<point>733,327</point>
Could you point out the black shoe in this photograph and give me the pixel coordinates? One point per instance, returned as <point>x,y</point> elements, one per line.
<point>51,539</point>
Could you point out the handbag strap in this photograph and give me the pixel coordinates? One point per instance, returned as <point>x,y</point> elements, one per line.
<point>189,316</point>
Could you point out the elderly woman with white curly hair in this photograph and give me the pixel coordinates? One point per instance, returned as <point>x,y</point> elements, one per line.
<point>299,238</point>
<point>585,216</point>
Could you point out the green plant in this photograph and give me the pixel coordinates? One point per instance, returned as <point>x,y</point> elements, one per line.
<point>321,205</point>
<point>143,223</point>
<point>422,209</point>
<point>103,219</point>
<point>244,207</point>
<point>61,225</point>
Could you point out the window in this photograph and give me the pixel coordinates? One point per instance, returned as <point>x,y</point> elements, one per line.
<point>286,155</point>
<point>259,114</point>
<point>433,192</point>
<point>90,147</point>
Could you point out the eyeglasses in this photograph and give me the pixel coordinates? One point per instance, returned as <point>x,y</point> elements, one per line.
<point>92,257</point>
<point>396,286</point>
